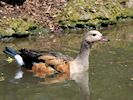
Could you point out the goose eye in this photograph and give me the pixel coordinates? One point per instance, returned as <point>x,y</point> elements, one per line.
<point>94,34</point>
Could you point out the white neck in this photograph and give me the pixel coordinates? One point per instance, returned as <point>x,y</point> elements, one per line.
<point>81,62</point>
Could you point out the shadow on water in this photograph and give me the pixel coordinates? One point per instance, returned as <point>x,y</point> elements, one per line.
<point>111,68</point>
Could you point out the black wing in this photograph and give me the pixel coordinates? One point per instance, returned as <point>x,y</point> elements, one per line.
<point>29,57</point>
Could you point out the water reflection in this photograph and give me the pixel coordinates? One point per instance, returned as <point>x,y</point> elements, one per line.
<point>82,80</point>
<point>110,71</point>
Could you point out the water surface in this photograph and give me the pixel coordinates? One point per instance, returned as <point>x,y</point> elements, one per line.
<point>110,73</point>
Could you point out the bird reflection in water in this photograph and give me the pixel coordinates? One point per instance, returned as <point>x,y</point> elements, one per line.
<point>81,79</point>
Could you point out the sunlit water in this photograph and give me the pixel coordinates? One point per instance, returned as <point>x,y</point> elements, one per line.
<point>110,72</point>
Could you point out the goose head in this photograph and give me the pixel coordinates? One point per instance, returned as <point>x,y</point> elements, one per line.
<point>81,62</point>
<point>94,36</point>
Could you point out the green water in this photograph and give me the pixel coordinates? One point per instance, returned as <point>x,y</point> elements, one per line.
<point>110,72</point>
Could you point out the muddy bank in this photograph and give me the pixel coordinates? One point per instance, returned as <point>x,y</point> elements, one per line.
<point>24,16</point>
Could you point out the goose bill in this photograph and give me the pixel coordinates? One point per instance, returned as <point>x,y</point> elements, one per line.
<point>104,39</point>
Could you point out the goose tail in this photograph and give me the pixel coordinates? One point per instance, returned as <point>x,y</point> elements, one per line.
<point>13,53</point>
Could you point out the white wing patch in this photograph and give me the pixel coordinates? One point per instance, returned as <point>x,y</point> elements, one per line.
<point>19,59</point>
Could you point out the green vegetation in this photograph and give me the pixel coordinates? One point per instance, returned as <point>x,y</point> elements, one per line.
<point>20,27</point>
<point>89,13</point>
<point>10,26</point>
<point>66,14</point>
